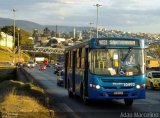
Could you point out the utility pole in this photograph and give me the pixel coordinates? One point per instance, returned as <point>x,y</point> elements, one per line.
<point>97,5</point>
<point>56,31</point>
<point>90,35</point>
<point>74,33</point>
<point>13,35</point>
<point>18,45</point>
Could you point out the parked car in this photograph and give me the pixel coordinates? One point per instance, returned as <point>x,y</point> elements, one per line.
<point>42,67</point>
<point>153,79</point>
<point>60,78</point>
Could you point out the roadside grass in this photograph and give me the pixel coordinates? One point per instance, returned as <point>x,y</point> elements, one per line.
<point>18,99</point>
<point>6,54</point>
<point>8,71</point>
<point>24,99</point>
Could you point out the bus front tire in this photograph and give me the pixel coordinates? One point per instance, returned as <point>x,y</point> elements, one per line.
<point>70,93</point>
<point>128,102</point>
<point>86,101</point>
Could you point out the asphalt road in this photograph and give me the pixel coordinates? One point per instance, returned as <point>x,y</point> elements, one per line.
<point>66,107</point>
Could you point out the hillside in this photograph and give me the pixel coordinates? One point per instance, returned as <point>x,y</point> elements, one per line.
<point>7,54</point>
<point>23,100</point>
<point>29,25</point>
<point>26,25</point>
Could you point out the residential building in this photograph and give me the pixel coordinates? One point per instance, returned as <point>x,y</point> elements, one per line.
<point>6,40</point>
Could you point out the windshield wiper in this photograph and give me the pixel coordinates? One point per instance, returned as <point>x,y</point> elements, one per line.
<point>128,53</point>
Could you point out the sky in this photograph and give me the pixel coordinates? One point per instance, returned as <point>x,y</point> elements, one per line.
<point>125,15</point>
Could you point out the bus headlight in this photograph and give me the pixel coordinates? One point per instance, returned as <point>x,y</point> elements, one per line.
<point>138,86</point>
<point>97,86</point>
<point>94,86</point>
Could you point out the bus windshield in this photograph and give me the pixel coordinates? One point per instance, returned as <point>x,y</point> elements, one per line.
<point>116,62</point>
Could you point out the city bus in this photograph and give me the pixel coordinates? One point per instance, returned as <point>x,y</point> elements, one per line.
<point>106,68</point>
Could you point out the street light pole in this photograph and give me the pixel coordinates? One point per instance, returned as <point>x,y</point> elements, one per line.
<point>13,35</point>
<point>18,45</point>
<point>97,5</point>
<point>90,29</point>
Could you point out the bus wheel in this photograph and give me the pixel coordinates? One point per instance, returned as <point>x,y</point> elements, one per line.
<point>70,94</point>
<point>128,102</point>
<point>86,101</point>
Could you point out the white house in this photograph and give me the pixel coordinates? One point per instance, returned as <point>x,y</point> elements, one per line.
<point>6,40</point>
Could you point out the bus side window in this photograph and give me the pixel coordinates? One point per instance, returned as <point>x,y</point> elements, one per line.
<point>78,59</point>
<point>82,58</point>
<point>80,55</point>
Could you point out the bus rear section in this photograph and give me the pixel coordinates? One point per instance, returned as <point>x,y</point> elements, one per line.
<point>107,71</point>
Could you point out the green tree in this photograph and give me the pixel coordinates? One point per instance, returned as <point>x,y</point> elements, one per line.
<point>74,39</point>
<point>53,33</point>
<point>35,33</point>
<point>0,35</point>
<point>8,30</point>
<point>23,35</point>
<point>46,31</point>
<point>155,49</point>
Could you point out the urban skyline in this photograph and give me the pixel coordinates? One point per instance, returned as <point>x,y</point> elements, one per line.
<point>126,15</point>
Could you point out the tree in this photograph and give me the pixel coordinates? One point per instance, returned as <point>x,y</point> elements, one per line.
<point>35,33</point>
<point>46,31</point>
<point>74,39</point>
<point>23,35</point>
<point>155,50</point>
<point>53,33</point>
<point>8,30</point>
<point>0,35</point>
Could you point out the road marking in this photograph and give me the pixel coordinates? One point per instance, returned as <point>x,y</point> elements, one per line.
<point>65,108</point>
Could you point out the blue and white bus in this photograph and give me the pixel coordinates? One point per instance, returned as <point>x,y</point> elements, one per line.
<point>106,68</point>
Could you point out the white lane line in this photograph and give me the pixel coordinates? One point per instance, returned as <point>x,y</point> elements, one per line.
<point>66,108</point>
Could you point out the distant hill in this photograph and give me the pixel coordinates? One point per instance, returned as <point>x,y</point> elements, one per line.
<point>29,25</point>
<point>26,25</point>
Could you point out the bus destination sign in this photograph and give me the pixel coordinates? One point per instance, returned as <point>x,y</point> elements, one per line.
<point>111,42</point>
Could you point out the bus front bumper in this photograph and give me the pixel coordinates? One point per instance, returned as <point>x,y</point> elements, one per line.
<point>116,94</point>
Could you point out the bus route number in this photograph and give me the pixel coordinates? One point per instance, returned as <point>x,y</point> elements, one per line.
<point>129,84</point>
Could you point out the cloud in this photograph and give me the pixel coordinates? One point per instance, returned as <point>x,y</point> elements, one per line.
<point>112,13</point>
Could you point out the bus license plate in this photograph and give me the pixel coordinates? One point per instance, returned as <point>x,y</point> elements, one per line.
<point>118,93</point>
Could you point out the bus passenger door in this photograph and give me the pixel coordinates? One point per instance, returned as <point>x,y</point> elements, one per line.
<point>86,72</point>
<point>66,66</point>
<point>73,70</point>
